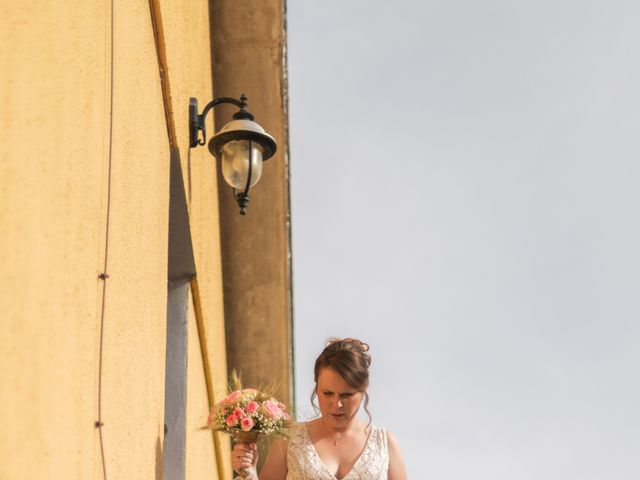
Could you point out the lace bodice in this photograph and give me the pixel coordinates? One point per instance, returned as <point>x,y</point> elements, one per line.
<point>303,462</point>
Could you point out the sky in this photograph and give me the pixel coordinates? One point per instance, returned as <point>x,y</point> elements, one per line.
<point>464,181</point>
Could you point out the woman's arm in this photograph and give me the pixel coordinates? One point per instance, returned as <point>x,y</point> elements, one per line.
<point>397,470</point>
<point>275,467</point>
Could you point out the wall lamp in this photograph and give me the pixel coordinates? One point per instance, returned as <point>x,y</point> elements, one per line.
<point>241,145</point>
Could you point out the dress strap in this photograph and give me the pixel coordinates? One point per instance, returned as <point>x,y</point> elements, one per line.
<point>383,448</point>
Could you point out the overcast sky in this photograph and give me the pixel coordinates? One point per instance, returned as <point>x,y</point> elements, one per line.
<point>465,199</point>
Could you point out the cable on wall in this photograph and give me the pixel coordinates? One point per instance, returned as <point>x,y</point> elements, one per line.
<point>103,275</point>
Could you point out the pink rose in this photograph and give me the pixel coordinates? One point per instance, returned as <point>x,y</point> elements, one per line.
<point>238,413</point>
<point>233,396</point>
<point>252,406</point>
<point>271,410</point>
<point>246,424</point>
<point>231,421</point>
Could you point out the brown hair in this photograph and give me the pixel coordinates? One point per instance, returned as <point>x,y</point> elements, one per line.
<point>350,358</point>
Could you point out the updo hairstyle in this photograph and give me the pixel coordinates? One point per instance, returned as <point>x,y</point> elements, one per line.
<point>350,358</point>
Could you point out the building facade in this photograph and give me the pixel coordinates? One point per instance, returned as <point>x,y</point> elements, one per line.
<point>130,284</point>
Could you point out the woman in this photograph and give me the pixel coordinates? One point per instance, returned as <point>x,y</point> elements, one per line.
<point>337,445</point>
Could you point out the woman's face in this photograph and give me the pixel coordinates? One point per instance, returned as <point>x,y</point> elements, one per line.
<point>339,402</point>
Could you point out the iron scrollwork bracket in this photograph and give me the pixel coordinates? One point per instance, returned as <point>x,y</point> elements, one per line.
<point>196,121</point>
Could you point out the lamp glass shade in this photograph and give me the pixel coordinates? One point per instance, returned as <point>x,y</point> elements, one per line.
<point>235,163</point>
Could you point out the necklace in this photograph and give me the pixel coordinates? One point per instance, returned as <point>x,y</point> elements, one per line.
<point>335,438</point>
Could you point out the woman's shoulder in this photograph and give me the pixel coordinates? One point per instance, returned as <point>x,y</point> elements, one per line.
<point>388,441</point>
<point>297,430</point>
<point>397,467</point>
<point>299,426</point>
<point>378,434</point>
<point>381,437</point>
<point>372,429</point>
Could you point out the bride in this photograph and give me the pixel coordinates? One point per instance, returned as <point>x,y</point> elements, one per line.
<point>337,445</point>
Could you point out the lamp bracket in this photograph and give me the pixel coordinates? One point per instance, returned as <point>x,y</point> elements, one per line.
<point>196,121</point>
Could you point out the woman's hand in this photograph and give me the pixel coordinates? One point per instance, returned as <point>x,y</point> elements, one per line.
<point>245,456</point>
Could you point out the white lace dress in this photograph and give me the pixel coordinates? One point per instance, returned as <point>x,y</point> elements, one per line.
<point>303,462</point>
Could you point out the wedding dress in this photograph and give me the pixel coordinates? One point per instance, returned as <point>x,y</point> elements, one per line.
<point>303,462</point>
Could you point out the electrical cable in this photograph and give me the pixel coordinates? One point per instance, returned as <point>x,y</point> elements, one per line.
<point>104,276</point>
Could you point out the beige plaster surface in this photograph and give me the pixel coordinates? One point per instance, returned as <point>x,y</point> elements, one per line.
<point>54,129</point>
<point>55,94</point>
<point>136,295</point>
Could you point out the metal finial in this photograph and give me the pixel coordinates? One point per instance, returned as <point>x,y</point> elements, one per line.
<point>243,202</point>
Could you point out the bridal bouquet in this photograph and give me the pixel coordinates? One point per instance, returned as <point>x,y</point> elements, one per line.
<point>245,413</point>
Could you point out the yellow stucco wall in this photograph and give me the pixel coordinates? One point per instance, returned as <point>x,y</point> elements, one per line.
<point>87,127</point>
<point>55,89</point>
<point>53,157</point>
<point>200,460</point>
<point>136,295</point>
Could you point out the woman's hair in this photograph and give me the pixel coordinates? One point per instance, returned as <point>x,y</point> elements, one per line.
<point>350,358</point>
